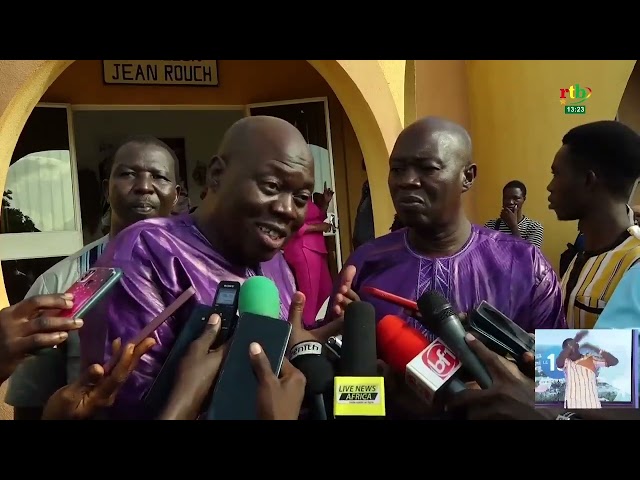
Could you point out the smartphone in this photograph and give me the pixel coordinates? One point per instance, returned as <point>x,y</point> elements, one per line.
<point>154,324</point>
<point>235,392</point>
<point>90,289</point>
<point>500,333</point>
<point>391,298</point>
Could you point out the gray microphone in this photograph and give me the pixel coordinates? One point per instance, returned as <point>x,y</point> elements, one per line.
<point>439,317</point>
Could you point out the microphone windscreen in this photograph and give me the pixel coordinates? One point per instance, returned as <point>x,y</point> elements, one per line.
<point>434,308</point>
<point>260,296</point>
<point>317,370</point>
<point>359,356</point>
<point>399,342</point>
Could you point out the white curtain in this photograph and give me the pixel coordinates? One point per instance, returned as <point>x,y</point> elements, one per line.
<point>42,190</point>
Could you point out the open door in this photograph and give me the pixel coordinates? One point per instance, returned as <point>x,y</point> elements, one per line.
<point>311,117</point>
<point>40,220</point>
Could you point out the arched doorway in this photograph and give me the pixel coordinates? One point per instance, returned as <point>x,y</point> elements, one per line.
<point>360,86</point>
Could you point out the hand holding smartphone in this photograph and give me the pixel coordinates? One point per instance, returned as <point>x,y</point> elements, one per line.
<point>235,392</point>
<point>90,289</point>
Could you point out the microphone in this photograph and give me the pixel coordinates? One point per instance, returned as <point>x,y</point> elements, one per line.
<point>260,296</point>
<point>359,391</point>
<point>235,393</point>
<point>307,357</point>
<point>429,367</point>
<point>439,317</point>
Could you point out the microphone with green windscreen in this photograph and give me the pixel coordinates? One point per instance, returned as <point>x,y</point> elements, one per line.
<point>260,296</point>
<point>235,393</point>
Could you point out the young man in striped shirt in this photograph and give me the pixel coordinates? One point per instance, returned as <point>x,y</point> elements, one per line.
<point>593,175</point>
<point>581,371</point>
<point>142,185</point>
<point>511,220</point>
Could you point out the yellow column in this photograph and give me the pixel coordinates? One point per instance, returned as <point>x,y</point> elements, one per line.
<point>441,90</point>
<point>517,125</point>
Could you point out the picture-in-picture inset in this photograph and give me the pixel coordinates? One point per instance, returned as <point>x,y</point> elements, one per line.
<point>586,368</point>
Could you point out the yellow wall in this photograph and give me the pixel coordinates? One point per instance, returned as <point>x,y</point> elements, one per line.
<point>629,114</point>
<point>517,125</point>
<point>629,111</point>
<point>441,90</point>
<point>394,73</point>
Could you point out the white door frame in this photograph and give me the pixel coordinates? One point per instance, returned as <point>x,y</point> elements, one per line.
<point>327,122</point>
<point>16,246</point>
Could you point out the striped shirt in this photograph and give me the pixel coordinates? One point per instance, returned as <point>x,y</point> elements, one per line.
<point>40,375</point>
<point>581,387</point>
<point>530,230</point>
<point>592,277</point>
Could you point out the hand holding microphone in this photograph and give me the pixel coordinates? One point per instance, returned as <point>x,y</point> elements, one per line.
<point>300,334</point>
<point>306,354</point>
<point>94,390</point>
<point>195,375</point>
<point>279,398</point>
<point>510,397</point>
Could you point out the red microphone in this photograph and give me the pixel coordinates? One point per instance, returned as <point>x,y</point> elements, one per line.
<point>429,367</point>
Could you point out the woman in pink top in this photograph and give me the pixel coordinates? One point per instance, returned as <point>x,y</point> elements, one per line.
<point>306,254</point>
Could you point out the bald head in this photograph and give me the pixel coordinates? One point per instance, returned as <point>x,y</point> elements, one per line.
<point>434,133</point>
<point>430,169</point>
<point>258,187</point>
<point>256,133</point>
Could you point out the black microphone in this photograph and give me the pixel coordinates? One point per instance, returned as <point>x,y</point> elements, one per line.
<point>439,317</point>
<point>359,391</point>
<point>317,369</point>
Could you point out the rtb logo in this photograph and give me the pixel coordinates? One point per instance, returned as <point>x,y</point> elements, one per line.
<point>440,359</point>
<point>574,95</point>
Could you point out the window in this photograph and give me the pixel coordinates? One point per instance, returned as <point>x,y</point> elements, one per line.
<point>40,216</point>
